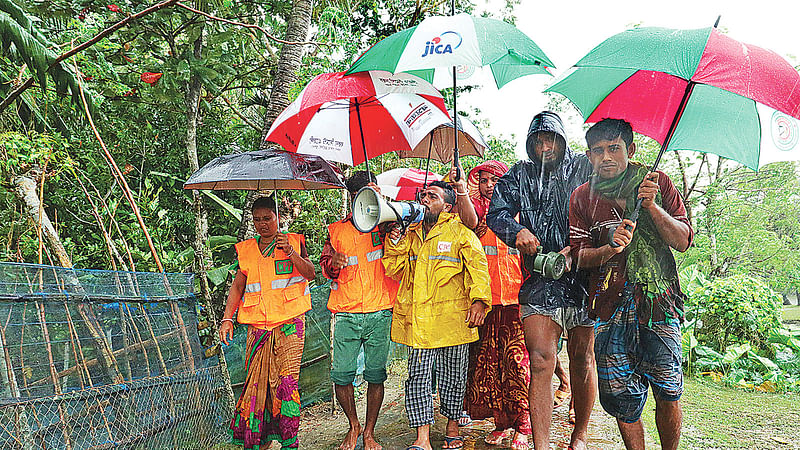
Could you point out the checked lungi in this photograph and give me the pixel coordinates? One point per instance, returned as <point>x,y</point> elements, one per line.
<point>451,377</point>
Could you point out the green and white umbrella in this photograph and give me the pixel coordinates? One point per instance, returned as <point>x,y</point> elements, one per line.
<point>462,41</point>
<point>456,44</point>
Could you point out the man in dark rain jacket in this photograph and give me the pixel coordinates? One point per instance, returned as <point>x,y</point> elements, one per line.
<point>537,192</point>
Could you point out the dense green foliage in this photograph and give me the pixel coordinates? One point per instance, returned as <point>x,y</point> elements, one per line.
<point>736,310</point>
<point>733,333</point>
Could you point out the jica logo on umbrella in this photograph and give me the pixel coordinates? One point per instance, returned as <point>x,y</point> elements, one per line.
<point>444,43</point>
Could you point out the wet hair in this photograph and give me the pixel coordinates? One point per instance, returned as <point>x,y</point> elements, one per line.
<point>264,203</point>
<point>358,180</point>
<point>449,193</point>
<point>610,129</point>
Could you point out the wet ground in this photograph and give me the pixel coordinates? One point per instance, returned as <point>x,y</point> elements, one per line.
<point>322,427</point>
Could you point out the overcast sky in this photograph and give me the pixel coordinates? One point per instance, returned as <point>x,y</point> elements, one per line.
<point>567,29</point>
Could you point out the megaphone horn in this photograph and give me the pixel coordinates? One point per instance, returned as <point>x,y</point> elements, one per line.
<point>371,209</point>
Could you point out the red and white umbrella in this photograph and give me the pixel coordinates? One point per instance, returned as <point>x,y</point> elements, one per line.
<point>350,119</point>
<point>403,184</point>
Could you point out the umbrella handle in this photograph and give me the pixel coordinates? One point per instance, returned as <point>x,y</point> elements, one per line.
<point>633,218</point>
<point>457,164</point>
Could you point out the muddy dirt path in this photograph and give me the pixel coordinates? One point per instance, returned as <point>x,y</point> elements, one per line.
<point>321,428</point>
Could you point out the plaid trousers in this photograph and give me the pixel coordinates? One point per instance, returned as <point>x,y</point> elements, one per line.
<point>451,377</point>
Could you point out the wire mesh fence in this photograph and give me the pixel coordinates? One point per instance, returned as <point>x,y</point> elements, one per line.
<point>95,359</point>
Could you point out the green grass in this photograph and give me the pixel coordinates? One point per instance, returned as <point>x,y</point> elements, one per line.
<point>791,313</point>
<point>716,416</point>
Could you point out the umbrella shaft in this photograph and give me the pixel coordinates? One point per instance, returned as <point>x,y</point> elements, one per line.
<point>681,107</point>
<point>455,125</point>
<point>361,131</point>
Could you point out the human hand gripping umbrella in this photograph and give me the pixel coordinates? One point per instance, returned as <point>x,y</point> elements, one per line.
<point>350,119</point>
<point>694,90</point>
<point>459,40</point>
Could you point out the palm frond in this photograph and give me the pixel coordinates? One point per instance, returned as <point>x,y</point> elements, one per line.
<point>19,41</point>
<point>24,20</point>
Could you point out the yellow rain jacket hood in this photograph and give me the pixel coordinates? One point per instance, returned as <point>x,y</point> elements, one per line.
<point>440,277</point>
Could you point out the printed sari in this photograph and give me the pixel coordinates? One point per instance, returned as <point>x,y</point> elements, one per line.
<point>269,406</point>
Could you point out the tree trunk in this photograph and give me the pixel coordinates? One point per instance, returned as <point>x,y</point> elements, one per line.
<point>202,254</point>
<point>685,182</point>
<point>289,62</point>
<point>25,189</point>
<point>291,57</point>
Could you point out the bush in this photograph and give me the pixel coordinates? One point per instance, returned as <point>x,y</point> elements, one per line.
<point>736,310</point>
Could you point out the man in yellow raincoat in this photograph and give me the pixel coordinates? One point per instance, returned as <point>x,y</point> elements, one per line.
<point>444,294</point>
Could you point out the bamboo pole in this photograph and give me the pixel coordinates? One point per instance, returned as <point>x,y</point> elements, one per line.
<point>56,384</point>
<point>74,333</point>
<point>96,214</point>
<point>153,338</point>
<point>125,341</point>
<point>76,343</point>
<point>21,418</point>
<point>120,179</point>
<point>113,221</point>
<point>95,361</point>
<point>138,337</point>
<point>22,340</point>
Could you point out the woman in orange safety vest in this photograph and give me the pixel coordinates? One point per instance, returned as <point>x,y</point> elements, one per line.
<point>272,296</point>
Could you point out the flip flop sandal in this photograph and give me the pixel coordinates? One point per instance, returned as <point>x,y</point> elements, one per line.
<point>415,447</point>
<point>559,397</point>
<point>465,420</point>
<point>455,440</point>
<point>572,416</point>
<point>496,437</point>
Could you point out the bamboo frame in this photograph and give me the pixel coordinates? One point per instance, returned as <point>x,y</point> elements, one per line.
<point>58,410</point>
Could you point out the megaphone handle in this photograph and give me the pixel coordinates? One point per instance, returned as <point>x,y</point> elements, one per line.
<point>399,217</point>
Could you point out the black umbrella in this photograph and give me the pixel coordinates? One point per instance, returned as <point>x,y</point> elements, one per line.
<point>266,170</point>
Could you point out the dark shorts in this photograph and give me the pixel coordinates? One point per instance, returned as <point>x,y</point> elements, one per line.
<point>632,357</point>
<point>567,317</point>
<point>351,331</point>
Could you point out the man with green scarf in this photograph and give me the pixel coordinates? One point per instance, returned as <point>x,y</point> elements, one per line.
<point>633,288</point>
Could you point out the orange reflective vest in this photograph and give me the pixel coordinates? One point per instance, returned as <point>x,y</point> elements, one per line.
<point>505,269</point>
<point>275,292</point>
<point>362,285</point>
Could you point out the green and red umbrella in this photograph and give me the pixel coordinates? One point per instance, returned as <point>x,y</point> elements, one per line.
<point>694,90</point>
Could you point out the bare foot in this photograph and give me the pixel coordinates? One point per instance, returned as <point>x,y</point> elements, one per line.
<point>577,442</point>
<point>351,438</point>
<point>370,443</point>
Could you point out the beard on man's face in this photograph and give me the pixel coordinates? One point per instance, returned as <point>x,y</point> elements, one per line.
<point>430,217</point>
